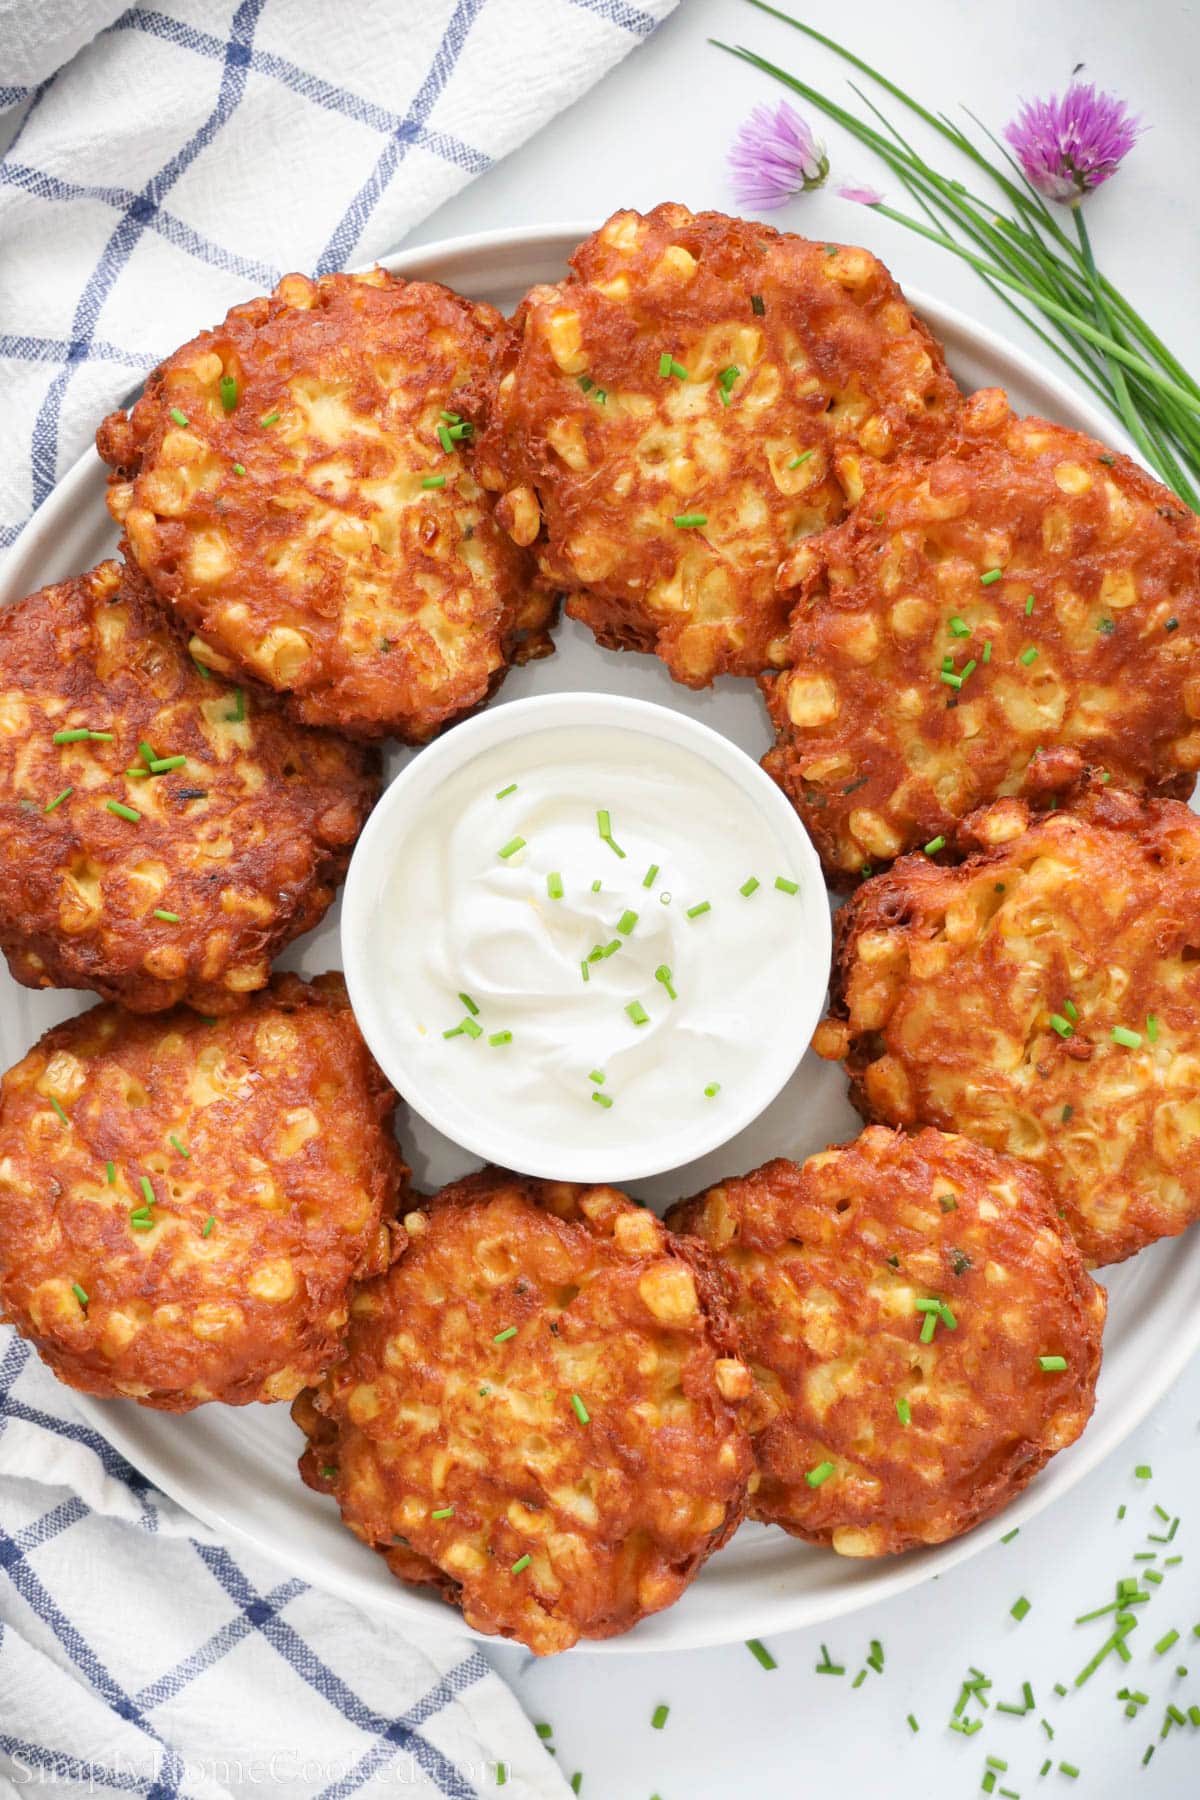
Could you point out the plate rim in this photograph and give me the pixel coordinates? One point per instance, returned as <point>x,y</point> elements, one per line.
<point>116,1420</point>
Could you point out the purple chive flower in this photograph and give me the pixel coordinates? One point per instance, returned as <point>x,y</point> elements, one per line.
<point>774,156</point>
<point>1069,146</point>
<point>861,194</point>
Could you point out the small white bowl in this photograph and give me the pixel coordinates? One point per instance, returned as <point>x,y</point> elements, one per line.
<point>450,1105</point>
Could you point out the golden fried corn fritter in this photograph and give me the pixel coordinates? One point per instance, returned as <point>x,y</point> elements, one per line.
<point>164,834</point>
<point>184,1203</point>
<point>699,393</point>
<point>1022,606</point>
<point>538,1411</point>
<point>895,1298</point>
<point>297,485</point>
<point>1042,997</point>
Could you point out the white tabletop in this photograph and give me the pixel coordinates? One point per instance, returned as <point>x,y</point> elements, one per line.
<point>658,128</point>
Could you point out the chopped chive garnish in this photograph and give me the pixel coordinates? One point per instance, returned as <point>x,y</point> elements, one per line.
<point>663,974</point>
<point>595,887</point>
<point>958,627</point>
<point>1010,1535</point>
<point>992,575</point>
<point>147,1188</point>
<point>760,1653</point>
<point>471,1028</point>
<point>659,1716</point>
<point>501,1775</point>
<point>180,418</point>
<point>505,792</point>
<point>584,970</point>
<point>443,1512</point>
<point>604,827</point>
<point>934,845</point>
<point>162,764</point>
<point>701,906</point>
<point>1029,606</point>
<point>1064,1027</point>
<point>797,460</point>
<point>554,885</point>
<point>604,1100</point>
<point>270,418</point>
<point>1152,1027</point>
<point>239,708</point>
<point>79,1293</point>
<point>626,922</point>
<point>951,680</point>
<point>638,1013</point>
<point>912,1723</point>
<point>668,366</point>
<point>181,1148</point>
<point>1130,1040</point>
<point>786,886</point>
<point>59,798</point>
<point>78,736</point>
<point>500,1037</point>
<point>208,1225</point>
<point>122,811</point>
<point>687,521</point>
<point>1144,1472</point>
<point>1053,1365</point>
<point>1070,1010</point>
<point>969,668</point>
<point>598,1076</point>
<point>168,918</point>
<point>929,1327</point>
<point>110,1173</point>
<point>1068,1769</point>
<point>229,393</point>
<point>749,886</point>
<point>238,469</point>
<point>1019,1608</point>
<point>521,1563</point>
<point>904,1411</point>
<point>1028,656</point>
<point>58,1109</point>
<point>511,848</point>
<point>469,1004</point>
<point>502,1337</point>
<point>580,1410</point>
<point>433,481</point>
<point>1165,1643</point>
<point>818,1476</point>
<point>648,877</point>
<point>712,1090</point>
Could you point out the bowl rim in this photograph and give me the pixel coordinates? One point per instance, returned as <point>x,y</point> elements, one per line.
<point>406,802</point>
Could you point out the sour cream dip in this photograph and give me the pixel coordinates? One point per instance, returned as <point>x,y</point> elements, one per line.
<point>586,937</point>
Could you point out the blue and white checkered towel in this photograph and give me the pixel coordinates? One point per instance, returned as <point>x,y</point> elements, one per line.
<point>180,162</point>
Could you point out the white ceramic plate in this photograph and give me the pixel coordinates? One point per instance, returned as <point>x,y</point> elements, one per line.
<point>235,1467</point>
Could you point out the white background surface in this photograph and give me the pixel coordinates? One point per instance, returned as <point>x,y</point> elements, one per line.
<point>657,129</point>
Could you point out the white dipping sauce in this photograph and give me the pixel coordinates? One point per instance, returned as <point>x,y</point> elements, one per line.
<point>458,918</point>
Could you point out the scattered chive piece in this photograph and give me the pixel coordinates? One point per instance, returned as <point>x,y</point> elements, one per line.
<point>147,1188</point>
<point>511,848</point>
<point>433,481</point>
<point>948,1203</point>
<point>648,877</point>
<point>521,1563</point>
<point>59,798</point>
<point>584,970</point>
<point>1165,1643</point>
<point>179,417</point>
<point>1068,1769</point>
<point>77,736</point>
<point>443,1512</point>
<point>1053,1365</point>
<point>238,469</point>
<point>1152,1027</point>
<point>987,650</point>
<point>929,1327</point>
<point>58,1109</point>
<point>1028,656</point>
<point>500,1037</point>
<point>162,764</point>
<point>663,974</point>
<point>992,575</point>
<point>712,1090</point>
<point>168,918</point>
<point>1131,1040</point>
<point>686,521</point>
<point>1064,1027</point>
<point>576,1781</point>
<point>1019,1608</point>
<point>181,1148</point>
<point>229,392</point>
<point>501,1775</point>
<point>595,887</point>
<point>604,826</point>
<point>1010,1535</point>
<point>969,668</point>
<point>1070,1010</point>
<point>604,1100</point>
<point>598,1076</point>
<point>659,1717</point>
<point>672,367</point>
<point>505,792</point>
<point>816,1477</point>
<point>79,1293</point>
<point>958,627</point>
<point>950,679</point>
<point>912,1724</point>
<point>269,418</point>
<point>122,811</point>
<point>208,1225</point>
<point>469,1004</point>
<point>1029,606</point>
<point>1144,1472</point>
<point>626,922</point>
<point>239,708</point>
<point>785,886</point>
<point>502,1337</point>
<point>749,886</point>
<point>110,1173</point>
<point>471,1028</point>
<point>934,845</point>
<point>702,906</point>
<point>760,1653</point>
<point>797,460</point>
<point>580,1410</point>
<point>904,1411</point>
<point>638,1013</point>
